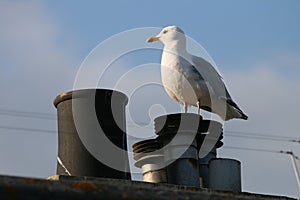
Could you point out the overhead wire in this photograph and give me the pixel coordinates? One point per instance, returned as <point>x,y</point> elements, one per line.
<point>241,134</point>
<point>272,138</point>
<point>27,114</point>
<point>259,134</point>
<point>262,150</point>
<point>226,147</point>
<point>229,133</point>
<point>27,129</point>
<point>251,149</point>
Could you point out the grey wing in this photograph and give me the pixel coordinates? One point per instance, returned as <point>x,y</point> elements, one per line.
<point>210,75</point>
<point>192,74</point>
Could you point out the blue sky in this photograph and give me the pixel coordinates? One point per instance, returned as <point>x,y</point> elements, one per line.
<point>255,44</point>
<point>251,28</point>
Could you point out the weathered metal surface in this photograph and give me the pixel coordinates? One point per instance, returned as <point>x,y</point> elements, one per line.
<point>204,167</point>
<point>225,175</point>
<point>150,160</point>
<point>172,123</point>
<point>155,176</point>
<point>208,148</point>
<point>178,134</point>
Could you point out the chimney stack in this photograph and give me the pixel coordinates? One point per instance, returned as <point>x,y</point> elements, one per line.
<point>82,116</point>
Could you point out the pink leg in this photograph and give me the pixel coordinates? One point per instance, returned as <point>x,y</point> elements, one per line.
<point>198,106</point>
<point>185,107</point>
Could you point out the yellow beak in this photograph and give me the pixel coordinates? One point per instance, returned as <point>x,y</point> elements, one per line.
<point>153,39</point>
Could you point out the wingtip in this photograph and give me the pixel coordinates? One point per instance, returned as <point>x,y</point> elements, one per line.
<point>244,117</point>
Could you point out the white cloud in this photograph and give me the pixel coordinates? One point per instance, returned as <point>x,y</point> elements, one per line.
<point>34,63</point>
<point>270,96</point>
<point>267,95</point>
<point>35,68</point>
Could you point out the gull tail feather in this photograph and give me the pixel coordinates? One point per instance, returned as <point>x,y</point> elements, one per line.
<point>236,108</point>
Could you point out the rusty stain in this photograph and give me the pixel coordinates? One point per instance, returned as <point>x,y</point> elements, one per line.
<point>84,185</point>
<point>29,180</point>
<point>35,181</point>
<point>227,194</point>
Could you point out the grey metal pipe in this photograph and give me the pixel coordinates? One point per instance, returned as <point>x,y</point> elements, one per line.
<point>150,161</point>
<point>108,107</point>
<point>178,133</point>
<point>208,144</point>
<point>204,167</point>
<point>184,170</point>
<point>225,175</point>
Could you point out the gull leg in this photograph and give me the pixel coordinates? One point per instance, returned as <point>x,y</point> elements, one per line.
<point>185,107</point>
<point>198,106</point>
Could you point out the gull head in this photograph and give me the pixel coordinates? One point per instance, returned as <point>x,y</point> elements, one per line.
<point>169,34</point>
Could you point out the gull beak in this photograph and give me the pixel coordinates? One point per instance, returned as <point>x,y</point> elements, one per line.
<point>153,39</point>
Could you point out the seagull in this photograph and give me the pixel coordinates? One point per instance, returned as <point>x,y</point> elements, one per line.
<point>191,80</point>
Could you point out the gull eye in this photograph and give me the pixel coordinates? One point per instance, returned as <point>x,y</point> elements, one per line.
<point>165,31</point>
